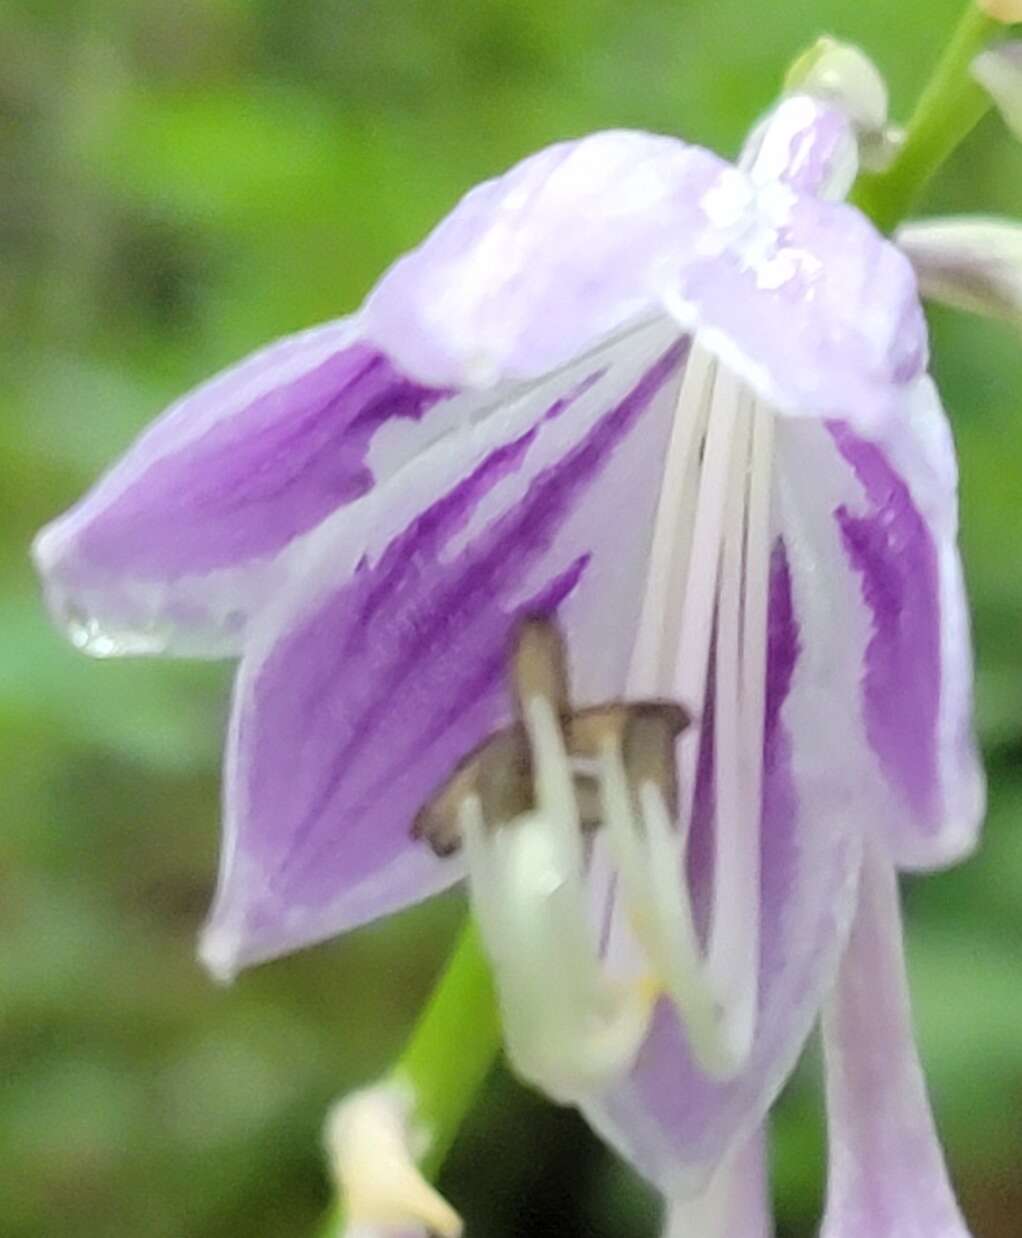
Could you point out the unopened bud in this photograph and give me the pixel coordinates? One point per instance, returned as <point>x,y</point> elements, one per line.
<point>1007,11</point>
<point>999,72</point>
<point>973,263</point>
<point>843,74</point>
<point>369,1144</point>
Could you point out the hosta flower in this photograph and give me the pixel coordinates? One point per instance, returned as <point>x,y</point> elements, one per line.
<point>682,406</point>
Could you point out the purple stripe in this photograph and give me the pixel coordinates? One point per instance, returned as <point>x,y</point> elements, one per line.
<point>257,479</point>
<point>892,550</point>
<point>400,672</point>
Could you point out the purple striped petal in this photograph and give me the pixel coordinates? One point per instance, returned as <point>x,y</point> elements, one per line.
<point>357,698</point>
<point>801,296</point>
<point>187,537</point>
<point>671,1121</point>
<point>871,528</point>
<point>887,1175</point>
<point>900,539</point>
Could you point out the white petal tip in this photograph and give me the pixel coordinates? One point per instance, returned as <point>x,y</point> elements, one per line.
<point>220,952</point>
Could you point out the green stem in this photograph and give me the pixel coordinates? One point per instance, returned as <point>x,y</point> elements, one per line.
<point>948,109</point>
<point>450,1052</point>
<point>453,1046</point>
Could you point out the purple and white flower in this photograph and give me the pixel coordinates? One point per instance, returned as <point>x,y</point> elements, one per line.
<point>684,407</point>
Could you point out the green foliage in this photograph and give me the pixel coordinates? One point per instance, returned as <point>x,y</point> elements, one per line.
<point>183,181</point>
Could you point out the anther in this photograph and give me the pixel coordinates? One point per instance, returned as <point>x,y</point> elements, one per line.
<point>500,772</point>
<point>519,804</point>
<point>648,749</point>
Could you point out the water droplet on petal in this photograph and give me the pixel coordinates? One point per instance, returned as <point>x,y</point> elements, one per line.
<point>89,634</point>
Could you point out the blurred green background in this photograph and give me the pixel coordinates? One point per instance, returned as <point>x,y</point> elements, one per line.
<point>182,180</point>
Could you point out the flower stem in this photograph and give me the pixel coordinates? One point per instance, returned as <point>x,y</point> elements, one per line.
<point>453,1046</point>
<point>449,1054</point>
<point>948,109</point>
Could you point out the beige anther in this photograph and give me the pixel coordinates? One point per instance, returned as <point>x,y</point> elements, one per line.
<point>648,750</point>
<point>500,774</point>
<point>538,666</point>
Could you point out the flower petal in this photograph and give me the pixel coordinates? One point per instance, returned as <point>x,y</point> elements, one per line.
<point>671,1121</point>
<point>736,1204</point>
<point>999,71</point>
<point>189,535</point>
<point>972,262</point>
<point>357,697</point>
<point>887,1175</point>
<point>802,297</point>
<point>897,624</point>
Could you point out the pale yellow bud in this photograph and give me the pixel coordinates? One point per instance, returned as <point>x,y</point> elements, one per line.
<point>1007,11</point>
<point>368,1141</point>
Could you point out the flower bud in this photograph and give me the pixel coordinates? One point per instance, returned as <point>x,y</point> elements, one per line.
<point>1007,11</point>
<point>999,72</point>
<point>971,263</point>
<point>369,1143</point>
<point>843,74</point>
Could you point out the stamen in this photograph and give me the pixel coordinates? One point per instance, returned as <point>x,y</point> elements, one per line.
<point>568,1027</point>
<point>538,668</point>
<point>650,861</point>
<point>522,803</point>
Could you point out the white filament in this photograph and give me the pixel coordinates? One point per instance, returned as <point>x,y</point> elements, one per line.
<point>649,855</point>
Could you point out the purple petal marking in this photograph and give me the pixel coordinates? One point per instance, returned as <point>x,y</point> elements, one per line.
<point>668,1118</point>
<point>893,551</point>
<point>254,482</point>
<point>366,702</point>
<point>185,539</point>
<point>887,1176</point>
<point>871,528</point>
